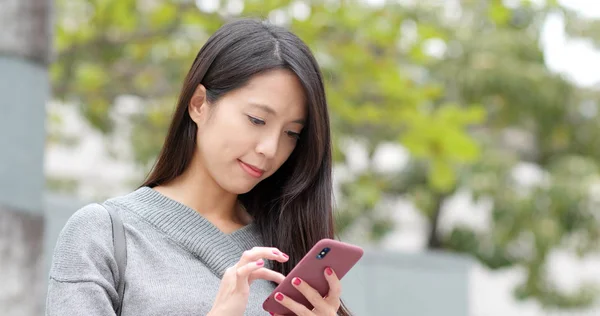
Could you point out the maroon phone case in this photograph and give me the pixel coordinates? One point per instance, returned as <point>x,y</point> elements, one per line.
<point>341,258</point>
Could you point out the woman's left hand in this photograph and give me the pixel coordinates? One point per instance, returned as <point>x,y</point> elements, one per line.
<point>323,306</point>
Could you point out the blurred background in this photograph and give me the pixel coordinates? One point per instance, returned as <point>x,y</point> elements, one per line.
<point>466,154</point>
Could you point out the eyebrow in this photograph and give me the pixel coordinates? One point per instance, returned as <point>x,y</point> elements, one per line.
<point>271,111</point>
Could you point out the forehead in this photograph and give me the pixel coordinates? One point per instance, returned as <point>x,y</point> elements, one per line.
<point>279,90</point>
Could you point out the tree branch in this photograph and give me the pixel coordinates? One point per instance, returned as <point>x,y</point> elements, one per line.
<point>434,241</point>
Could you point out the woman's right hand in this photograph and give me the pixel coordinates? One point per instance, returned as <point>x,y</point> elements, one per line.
<point>235,285</point>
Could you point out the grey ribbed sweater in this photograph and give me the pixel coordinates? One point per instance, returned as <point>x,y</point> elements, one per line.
<point>175,260</point>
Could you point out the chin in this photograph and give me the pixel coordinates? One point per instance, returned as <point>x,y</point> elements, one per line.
<point>239,188</point>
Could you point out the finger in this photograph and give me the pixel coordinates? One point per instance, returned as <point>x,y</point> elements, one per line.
<point>243,273</point>
<point>335,288</point>
<point>267,274</point>
<point>312,295</point>
<point>262,253</point>
<point>292,305</point>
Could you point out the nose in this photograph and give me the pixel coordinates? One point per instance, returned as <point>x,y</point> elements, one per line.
<point>268,145</point>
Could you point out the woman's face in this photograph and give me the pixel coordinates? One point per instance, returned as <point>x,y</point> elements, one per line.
<point>250,132</point>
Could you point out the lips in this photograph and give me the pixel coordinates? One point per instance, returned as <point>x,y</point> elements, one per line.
<point>251,170</point>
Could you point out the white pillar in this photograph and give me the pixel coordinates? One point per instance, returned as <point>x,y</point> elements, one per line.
<point>25,35</point>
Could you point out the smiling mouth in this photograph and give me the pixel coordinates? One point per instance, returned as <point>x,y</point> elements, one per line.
<point>251,170</point>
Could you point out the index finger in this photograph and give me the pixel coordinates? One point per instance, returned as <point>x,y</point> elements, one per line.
<point>335,287</point>
<point>257,253</point>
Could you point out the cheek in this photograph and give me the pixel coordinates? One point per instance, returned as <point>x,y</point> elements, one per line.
<point>284,153</point>
<point>229,140</point>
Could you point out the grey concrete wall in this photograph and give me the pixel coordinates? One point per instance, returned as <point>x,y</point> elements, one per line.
<point>382,283</point>
<point>22,274</point>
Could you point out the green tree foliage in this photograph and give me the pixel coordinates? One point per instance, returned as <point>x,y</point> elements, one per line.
<point>468,113</point>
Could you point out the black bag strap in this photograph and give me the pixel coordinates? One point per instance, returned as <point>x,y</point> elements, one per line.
<point>120,246</point>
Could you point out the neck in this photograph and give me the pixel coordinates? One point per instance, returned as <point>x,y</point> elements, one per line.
<point>196,189</point>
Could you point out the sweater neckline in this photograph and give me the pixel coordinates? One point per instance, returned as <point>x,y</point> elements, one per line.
<point>218,250</point>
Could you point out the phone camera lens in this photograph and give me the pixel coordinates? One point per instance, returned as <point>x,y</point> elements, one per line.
<point>323,253</point>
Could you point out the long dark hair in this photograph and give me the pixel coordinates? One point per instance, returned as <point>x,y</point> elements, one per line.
<point>293,207</point>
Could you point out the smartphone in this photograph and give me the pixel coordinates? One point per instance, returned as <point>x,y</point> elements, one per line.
<point>339,256</point>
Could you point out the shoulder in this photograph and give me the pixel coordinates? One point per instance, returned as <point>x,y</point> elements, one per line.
<point>92,216</point>
<point>84,243</point>
<point>89,223</point>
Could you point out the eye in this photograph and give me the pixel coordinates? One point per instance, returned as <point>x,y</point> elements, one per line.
<point>293,135</point>
<point>255,121</point>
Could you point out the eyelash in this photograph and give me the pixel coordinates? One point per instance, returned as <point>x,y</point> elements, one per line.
<point>294,135</point>
<point>257,121</point>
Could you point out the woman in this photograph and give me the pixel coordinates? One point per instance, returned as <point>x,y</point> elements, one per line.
<point>240,192</point>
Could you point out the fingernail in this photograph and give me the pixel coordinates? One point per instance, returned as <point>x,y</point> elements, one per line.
<point>279,297</point>
<point>260,263</point>
<point>328,271</point>
<point>285,256</point>
<point>296,281</point>
<point>275,252</point>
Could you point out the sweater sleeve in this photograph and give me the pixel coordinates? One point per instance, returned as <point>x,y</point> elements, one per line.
<point>83,271</point>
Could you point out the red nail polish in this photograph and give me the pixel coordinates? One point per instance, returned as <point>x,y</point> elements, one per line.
<point>297,281</point>
<point>260,263</point>
<point>279,297</point>
<point>285,256</point>
<point>328,271</point>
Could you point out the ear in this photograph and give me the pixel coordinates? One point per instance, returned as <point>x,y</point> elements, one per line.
<point>198,107</point>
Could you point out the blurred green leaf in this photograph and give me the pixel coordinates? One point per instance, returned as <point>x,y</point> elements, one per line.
<point>498,12</point>
<point>442,176</point>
